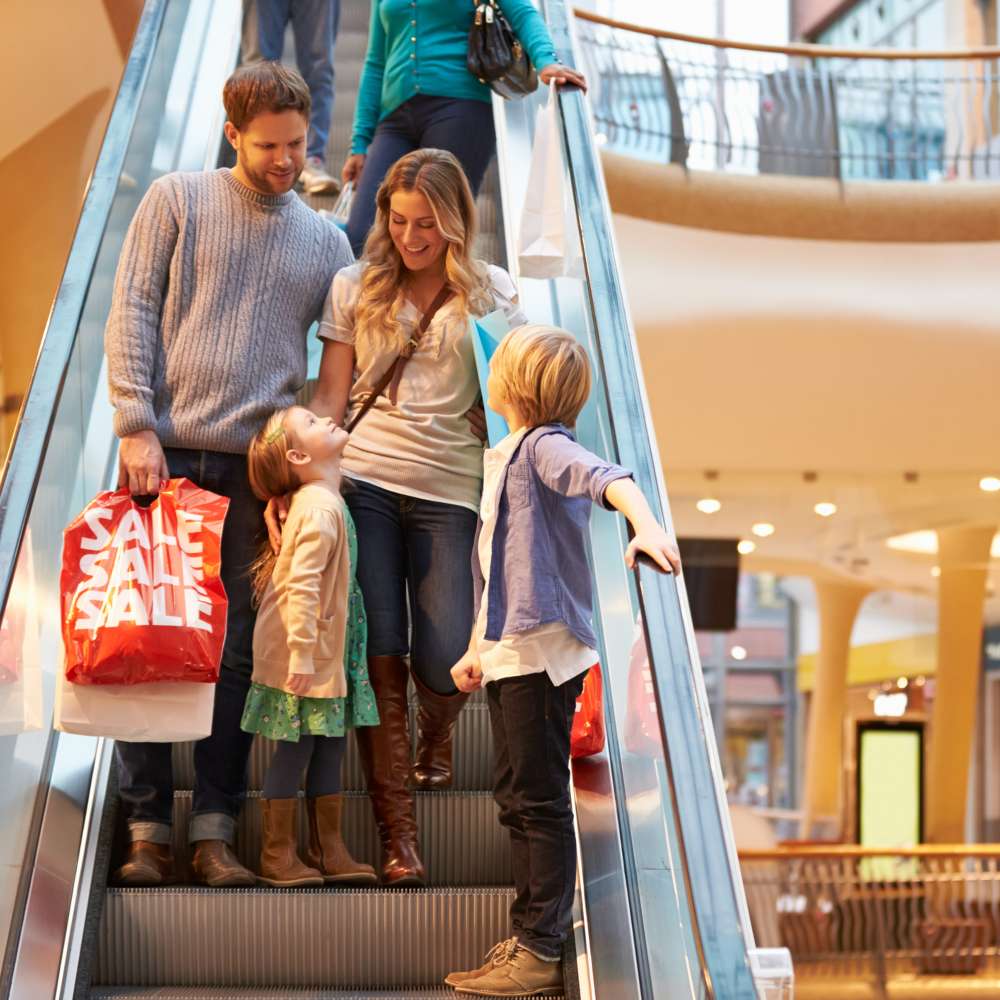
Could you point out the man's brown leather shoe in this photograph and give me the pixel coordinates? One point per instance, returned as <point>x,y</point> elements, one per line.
<point>147,864</point>
<point>215,864</point>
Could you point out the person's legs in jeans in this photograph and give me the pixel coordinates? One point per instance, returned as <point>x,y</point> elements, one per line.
<point>385,749</point>
<point>537,719</point>
<point>503,795</point>
<point>314,27</point>
<point>393,138</point>
<point>220,760</point>
<point>463,127</point>
<point>264,24</point>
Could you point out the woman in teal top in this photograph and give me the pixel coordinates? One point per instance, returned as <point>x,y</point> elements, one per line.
<point>416,92</point>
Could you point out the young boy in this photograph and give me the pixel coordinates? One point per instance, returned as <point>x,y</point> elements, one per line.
<point>533,639</point>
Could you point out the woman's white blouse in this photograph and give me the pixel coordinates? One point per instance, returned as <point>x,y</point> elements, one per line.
<point>421,446</point>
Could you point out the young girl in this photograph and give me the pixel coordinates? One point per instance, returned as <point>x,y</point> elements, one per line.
<point>533,639</point>
<point>310,681</point>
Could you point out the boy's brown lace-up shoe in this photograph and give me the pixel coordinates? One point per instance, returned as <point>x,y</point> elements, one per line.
<point>496,956</point>
<point>522,975</point>
<point>147,864</point>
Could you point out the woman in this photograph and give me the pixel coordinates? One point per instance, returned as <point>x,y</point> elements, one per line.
<point>416,465</point>
<point>416,92</point>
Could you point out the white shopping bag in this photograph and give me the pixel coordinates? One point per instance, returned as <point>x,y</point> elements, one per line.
<point>159,712</point>
<point>549,240</point>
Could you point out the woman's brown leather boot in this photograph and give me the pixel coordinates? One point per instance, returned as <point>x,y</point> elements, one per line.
<point>280,863</point>
<point>327,850</point>
<point>385,756</point>
<point>436,715</point>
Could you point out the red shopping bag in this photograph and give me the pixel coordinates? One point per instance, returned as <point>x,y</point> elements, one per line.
<point>142,599</point>
<point>587,735</point>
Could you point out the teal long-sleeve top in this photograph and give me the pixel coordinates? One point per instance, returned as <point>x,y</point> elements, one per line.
<point>419,47</point>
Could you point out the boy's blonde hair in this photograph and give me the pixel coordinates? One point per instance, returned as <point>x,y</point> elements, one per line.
<point>544,373</point>
<point>271,475</point>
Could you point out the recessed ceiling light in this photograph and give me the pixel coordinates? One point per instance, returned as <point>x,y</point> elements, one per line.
<point>763,529</point>
<point>709,505</point>
<point>989,484</point>
<point>825,509</point>
<point>935,570</point>
<point>738,653</point>
<point>746,546</point>
<point>903,683</point>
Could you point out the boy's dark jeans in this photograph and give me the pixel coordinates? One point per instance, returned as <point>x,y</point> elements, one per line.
<point>145,774</point>
<point>531,720</point>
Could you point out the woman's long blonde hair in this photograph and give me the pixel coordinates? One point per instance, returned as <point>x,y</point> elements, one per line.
<point>271,475</point>
<point>439,177</point>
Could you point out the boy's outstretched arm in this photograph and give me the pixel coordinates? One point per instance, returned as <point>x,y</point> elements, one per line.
<point>650,537</point>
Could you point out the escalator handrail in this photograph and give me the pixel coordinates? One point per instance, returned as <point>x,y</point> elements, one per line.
<point>22,469</point>
<point>710,872</point>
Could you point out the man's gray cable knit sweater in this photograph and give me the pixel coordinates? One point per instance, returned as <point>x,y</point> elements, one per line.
<point>216,289</point>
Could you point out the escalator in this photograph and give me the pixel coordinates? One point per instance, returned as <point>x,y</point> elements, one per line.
<point>660,909</point>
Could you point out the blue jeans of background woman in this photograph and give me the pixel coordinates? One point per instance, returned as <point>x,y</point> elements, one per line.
<point>462,127</point>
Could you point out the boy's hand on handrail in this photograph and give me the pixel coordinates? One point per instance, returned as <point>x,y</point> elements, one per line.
<point>655,543</point>
<point>275,515</point>
<point>467,673</point>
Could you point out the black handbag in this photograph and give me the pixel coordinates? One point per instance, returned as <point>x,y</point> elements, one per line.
<point>496,56</point>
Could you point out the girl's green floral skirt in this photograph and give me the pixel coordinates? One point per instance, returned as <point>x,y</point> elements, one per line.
<point>278,715</point>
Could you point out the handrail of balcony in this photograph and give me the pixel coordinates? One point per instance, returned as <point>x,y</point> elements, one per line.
<point>807,50</point>
<point>887,916</point>
<point>795,110</point>
<point>813,851</point>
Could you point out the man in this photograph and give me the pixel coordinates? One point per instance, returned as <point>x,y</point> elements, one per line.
<point>314,28</point>
<point>221,275</point>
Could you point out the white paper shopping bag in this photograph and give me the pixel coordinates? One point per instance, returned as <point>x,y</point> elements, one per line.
<point>548,239</point>
<point>158,712</point>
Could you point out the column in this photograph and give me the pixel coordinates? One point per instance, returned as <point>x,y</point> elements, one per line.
<point>963,556</point>
<point>822,800</point>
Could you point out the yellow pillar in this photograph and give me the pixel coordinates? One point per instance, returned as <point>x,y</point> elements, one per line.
<point>963,555</point>
<point>823,807</point>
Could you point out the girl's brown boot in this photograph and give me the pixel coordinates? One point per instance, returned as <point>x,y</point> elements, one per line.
<point>280,863</point>
<point>327,850</point>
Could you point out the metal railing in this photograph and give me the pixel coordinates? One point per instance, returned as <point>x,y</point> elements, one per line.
<point>849,912</point>
<point>801,110</point>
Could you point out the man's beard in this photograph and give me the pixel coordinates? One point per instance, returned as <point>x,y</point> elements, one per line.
<point>263,181</point>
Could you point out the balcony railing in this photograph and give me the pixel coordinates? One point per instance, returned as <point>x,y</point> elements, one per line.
<point>802,110</point>
<point>852,913</point>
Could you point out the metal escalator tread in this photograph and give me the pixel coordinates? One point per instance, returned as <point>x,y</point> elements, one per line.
<point>461,841</point>
<point>279,993</point>
<point>347,939</point>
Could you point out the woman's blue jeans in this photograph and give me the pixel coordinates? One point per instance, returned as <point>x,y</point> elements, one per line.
<point>415,572</point>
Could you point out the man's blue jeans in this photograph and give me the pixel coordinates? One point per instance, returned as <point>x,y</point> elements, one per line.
<point>314,28</point>
<point>145,774</point>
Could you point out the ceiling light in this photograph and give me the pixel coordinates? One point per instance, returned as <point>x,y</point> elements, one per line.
<point>935,570</point>
<point>762,529</point>
<point>903,683</point>
<point>825,509</point>
<point>924,542</point>
<point>738,653</point>
<point>746,546</point>
<point>989,484</point>
<point>709,505</point>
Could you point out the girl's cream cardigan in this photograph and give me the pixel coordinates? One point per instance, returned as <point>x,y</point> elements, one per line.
<point>302,619</point>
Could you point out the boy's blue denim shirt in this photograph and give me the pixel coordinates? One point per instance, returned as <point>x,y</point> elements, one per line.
<point>539,571</point>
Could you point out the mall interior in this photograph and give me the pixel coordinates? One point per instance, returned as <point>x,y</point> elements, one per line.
<point>788,219</point>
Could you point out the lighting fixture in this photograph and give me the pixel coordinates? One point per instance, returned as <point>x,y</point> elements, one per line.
<point>709,505</point>
<point>935,571</point>
<point>738,653</point>
<point>745,547</point>
<point>989,484</point>
<point>902,683</point>
<point>825,509</point>
<point>762,529</point>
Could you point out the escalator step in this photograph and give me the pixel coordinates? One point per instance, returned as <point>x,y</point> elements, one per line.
<point>461,841</point>
<point>473,755</point>
<point>324,939</point>
<point>225,993</point>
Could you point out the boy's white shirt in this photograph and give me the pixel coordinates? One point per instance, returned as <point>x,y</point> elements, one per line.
<point>550,648</point>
